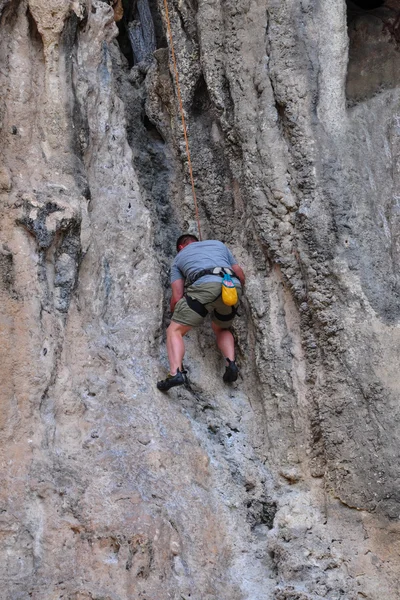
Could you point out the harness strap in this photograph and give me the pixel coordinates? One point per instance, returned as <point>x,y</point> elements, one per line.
<point>227,317</point>
<point>201,310</point>
<point>221,271</point>
<point>196,306</point>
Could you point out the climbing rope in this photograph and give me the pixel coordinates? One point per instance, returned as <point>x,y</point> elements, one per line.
<point>178,91</point>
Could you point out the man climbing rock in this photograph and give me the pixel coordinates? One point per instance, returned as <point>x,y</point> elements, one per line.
<point>199,268</point>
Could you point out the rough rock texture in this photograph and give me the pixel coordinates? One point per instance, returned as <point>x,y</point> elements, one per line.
<point>284,486</point>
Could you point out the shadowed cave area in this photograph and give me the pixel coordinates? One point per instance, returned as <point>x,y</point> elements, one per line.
<point>367,4</point>
<point>374,49</point>
<point>140,30</point>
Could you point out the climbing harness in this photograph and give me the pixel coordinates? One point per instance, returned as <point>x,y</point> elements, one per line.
<point>196,306</point>
<point>227,317</point>
<point>178,92</point>
<point>221,271</point>
<point>232,294</point>
<point>201,310</point>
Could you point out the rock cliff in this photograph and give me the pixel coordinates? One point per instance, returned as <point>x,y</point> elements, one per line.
<point>284,486</point>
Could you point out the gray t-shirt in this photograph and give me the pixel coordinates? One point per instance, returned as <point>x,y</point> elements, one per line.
<point>202,255</point>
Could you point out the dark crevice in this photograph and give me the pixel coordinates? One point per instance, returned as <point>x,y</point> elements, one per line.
<point>152,130</point>
<point>367,4</point>
<point>59,249</point>
<point>34,34</point>
<point>152,159</point>
<point>393,28</point>
<point>280,109</point>
<point>229,106</point>
<point>374,48</point>
<point>161,40</point>
<point>140,30</point>
<point>80,131</point>
<point>209,128</point>
<point>129,7</point>
<point>124,42</point>
<point>9,8</point>
<point>201,99</point>
<point>284,123</point>
<point>261,512</point>
<point>6,270</point>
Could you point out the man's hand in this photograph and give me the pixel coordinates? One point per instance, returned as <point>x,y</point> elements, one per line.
<point>178,287</point>
<point>239,273</point>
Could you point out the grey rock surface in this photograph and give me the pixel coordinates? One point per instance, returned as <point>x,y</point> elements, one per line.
<point>283,486</point>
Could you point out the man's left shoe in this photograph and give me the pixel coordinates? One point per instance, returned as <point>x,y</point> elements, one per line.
<point>171,381</point>
<point>231,372</point>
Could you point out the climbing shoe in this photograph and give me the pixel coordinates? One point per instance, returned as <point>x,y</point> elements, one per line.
<point>231,372</point>
<point>171,381</point>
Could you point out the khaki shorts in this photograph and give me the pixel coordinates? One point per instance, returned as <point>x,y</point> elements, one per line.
<point>209,294</point>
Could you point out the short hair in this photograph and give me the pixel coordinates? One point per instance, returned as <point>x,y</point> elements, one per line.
<point>186,237</point>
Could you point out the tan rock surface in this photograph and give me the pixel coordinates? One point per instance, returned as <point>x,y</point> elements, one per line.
<point>283,486</point>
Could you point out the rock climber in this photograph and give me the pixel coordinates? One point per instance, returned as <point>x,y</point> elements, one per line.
<point>196,276</point>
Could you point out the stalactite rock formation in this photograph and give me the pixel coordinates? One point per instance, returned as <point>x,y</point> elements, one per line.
<point>284,485</point>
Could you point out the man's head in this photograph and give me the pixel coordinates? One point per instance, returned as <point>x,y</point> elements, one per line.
<point>185,240</point>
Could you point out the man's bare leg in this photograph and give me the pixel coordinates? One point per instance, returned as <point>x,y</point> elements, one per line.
<point>226,344</point>
<point>225,341</point>
<point>176,345</point>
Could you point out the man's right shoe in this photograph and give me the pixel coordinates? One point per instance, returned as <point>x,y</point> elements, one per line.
<point>231,372</point>
<point>171,381</point>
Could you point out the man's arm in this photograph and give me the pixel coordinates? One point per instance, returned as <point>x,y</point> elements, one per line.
<point>239,273</point>
<point>178,287</point>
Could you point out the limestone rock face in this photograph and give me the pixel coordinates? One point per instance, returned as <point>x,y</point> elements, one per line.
<point>283,486</point>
